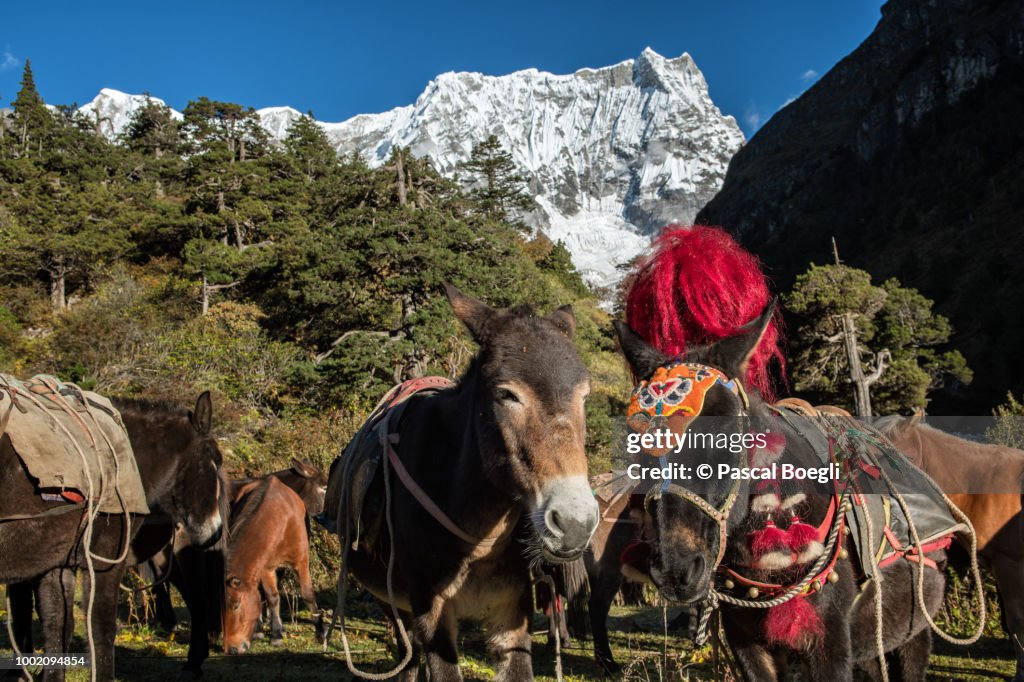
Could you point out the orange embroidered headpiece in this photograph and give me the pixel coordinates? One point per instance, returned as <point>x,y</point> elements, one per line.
<point>674,395</point>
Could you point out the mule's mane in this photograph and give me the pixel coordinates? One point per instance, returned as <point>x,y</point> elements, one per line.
<point>151,410</point>
<point>250,503</point>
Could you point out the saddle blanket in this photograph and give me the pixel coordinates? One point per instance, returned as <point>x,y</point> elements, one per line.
<point>41,413</point>
<point>889,537</point>
<point>354,487</point>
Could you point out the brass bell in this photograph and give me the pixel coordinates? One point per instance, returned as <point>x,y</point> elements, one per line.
<point>753,592</point>
<point>846,530</point>
<point>833,577</point>
<point>815,586</point>
<point>729,584</point>
<point>844,554</point>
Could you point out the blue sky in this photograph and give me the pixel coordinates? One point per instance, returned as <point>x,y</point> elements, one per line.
<point>339,58</point>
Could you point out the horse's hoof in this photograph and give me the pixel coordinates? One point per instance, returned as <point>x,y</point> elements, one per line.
<point>277,641</point>
<point>257,635</point>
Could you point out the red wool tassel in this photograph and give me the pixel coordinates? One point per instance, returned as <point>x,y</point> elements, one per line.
<point>794,624</point>
<point>771,538</point>
<point>801,534</point>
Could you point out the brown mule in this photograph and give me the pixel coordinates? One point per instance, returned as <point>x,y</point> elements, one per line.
<point>501,455</point>
<point>957,464</point>
<point>267,532</point>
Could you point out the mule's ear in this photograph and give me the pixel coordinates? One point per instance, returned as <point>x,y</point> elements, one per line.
<point>643,358</point>
<point>476,315</point>
<point>302,468</point>
<point>564,319</point>
<point>733,353</point>
<point>202,417</point>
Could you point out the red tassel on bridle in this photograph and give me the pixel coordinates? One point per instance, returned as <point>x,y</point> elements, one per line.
<point>800,534</point>
<point>771,538</point>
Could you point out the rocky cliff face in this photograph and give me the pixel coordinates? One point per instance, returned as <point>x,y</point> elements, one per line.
<point>611,154</point>
<point>911,153</point>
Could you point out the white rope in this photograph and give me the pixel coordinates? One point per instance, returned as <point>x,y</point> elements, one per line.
<point>338,617</point>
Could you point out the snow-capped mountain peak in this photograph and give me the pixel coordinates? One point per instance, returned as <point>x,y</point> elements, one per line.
<point>611,154</point>
<point>111,110</point>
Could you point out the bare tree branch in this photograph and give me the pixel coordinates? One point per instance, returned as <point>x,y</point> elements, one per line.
<point>881,362</point>
<point>320,357</point>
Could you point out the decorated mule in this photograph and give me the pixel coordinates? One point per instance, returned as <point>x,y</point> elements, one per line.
<point>450,491</point>
<point>799,571</point>
<point>75,493</point>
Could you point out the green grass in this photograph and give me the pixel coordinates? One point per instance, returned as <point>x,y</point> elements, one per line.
<point>146,653</point>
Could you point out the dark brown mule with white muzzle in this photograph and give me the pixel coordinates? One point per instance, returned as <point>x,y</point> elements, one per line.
<point>703,533</point>
<point>501,455</point>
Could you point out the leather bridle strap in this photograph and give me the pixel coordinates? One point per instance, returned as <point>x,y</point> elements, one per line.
<point>719,515</point>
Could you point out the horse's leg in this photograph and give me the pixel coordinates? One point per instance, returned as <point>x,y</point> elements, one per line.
<point>189,576</point>
<point>913,656</point>
<point>833,660</point>
<point>602,593</point>
<point>509,637</point>
<point>164,609</point>
<point>55,596</point>
<point>307,591</point>
<point>268,581</point>
<point>104,616</point>
<point>20,595</point>
<point>757,664</point>
<point>562,624</point>
<point>1009,574</point>
<point>437,629</point>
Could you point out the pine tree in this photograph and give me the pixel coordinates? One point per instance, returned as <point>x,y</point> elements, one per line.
<point>32,121</point>
<point>152,130</point>
<point>498,186</point>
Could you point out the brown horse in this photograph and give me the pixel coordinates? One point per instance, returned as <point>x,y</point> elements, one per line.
<point>957,464</point>
<point>267,532</point>
<point>500,457</point>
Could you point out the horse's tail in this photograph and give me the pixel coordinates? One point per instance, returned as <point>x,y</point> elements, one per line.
<point>577,595</point>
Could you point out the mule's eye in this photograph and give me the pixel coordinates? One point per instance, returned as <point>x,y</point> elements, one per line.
<point>506,396</point>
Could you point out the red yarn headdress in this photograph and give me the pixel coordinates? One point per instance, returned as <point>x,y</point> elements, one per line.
<point>699,286</point>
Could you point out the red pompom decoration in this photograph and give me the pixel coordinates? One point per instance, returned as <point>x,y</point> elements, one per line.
<point>771,538</point>
<point>794,624</point>
<point>700,286</point>
<point>801,534</point>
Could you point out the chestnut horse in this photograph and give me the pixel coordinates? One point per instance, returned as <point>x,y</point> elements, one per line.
<point>499,461</point>
<point>957,465</point>
<point>267,531</point>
